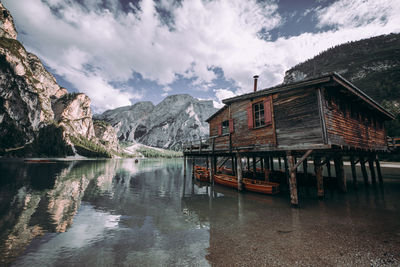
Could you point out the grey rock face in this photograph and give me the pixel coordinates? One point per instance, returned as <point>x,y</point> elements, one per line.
<point>175,120</point>
<point>30,97</point>
<point>7,27</point>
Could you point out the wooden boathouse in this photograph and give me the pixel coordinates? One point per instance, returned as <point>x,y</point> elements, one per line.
<point>321,119</point>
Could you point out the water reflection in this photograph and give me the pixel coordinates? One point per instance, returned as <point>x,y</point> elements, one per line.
<point>117,212</point>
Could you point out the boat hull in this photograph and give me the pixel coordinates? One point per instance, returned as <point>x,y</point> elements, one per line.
<point>249,184</point>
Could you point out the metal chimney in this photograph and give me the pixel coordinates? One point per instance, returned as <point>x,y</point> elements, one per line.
<point>255,82</point>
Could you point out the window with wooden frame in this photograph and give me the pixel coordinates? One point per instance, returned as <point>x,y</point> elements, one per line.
<point>225,127</point>
<point>259,114</point>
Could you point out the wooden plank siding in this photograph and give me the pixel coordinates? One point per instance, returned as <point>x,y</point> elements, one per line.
<point>242,136</point>
<point>297,118</point>
<point>358,132</point>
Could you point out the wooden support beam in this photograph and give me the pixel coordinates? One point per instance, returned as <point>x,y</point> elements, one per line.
<point>248,163</point>
<point>266,161</point>
<point>280,163</point>
<point>364,171</point>
<point>372,170</point>
<point>261,163</point>
<point>378,169</point>
<point>254,168</point>
<point>328,167</point>
<point>319,177</point>
<point>184,166</point>
<point>233,165</point>
<point>353,170</point>
<point>272,163</point>
<point>301,159</point>
<point>340,174</point>
<point>193,162</point>
<point>223,162</point>
<point>286,169</point>
<point>211,169</point>
<point>294,200</point>
<point>305,169</point>
<point>239,172</point>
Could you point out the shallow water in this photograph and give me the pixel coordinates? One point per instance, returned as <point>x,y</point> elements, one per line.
<point>117,212</point>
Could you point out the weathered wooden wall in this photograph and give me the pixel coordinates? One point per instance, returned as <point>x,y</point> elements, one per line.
<point>343,129</point>
<point>297,118</point>
<point>243,136</point>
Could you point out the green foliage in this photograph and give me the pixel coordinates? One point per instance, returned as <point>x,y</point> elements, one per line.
<point>154,153</point>
<point>50,142</point>
<point>89,148</point>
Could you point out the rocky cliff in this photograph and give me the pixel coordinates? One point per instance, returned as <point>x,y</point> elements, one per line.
<point>33,104</point>
<point>178,118</point>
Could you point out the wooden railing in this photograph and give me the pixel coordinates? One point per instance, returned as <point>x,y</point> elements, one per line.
<point>393,143</point>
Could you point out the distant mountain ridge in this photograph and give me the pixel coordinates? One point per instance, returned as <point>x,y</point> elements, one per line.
<point>175,120</point>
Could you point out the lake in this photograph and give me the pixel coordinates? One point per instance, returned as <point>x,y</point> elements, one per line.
<point>122,213</point>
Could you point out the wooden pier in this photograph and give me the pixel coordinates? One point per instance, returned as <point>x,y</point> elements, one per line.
<point>324,120</point>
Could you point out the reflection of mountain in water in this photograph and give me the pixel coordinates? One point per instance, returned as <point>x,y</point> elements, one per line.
<point>40,198</point>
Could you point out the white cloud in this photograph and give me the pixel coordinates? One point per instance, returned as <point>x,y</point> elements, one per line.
<point>95,46</point>
<point>222,94</point>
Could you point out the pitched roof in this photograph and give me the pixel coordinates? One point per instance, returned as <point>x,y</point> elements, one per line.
<point>310,82</point>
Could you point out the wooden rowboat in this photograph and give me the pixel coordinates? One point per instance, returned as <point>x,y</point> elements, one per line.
<point>249,184</point>
<point>201,174</point>
<point>39,161</point>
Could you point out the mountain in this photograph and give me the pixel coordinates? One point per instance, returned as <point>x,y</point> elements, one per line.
<point>373,65</point>
<point>37,116</point>
<point>175,120</point>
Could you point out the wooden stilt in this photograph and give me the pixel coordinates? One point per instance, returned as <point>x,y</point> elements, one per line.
<point>193,163</point>
<point>328,167</point>
<point>254,168</point>
<point>305,170</point>
<point>340,174</point>
<point>353,170</point>
<point>184,166</point>
<point>280,163</point>
<point>211,169</point>
<point>286,169</point>
<point>364,171</point>
<point>372,170</point>
<point>378,169</point>
<point>239,172</point>
<point>318,175</point>
<point>266,160</point>
<point>261,163</point>
<point>292,181</point>
<point>272,163</point>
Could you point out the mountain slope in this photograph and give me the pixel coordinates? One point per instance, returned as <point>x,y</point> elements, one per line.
<point>371,64</point>
<point>178,118</point>
<point>37,116</point>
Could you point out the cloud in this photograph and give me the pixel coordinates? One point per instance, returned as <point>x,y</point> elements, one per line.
<point>96,45</point>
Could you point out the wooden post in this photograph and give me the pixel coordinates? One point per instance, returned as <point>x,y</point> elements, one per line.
<point>211,169</point>
<point>239,172</point>
<point>292,181</point>
<point>261,163</point>
<point>353,170</point>
<point>286,169</point>
<point>328,167</point>
<point>364,171</point>
<point>184,166</point>
<point>378,169</point>
<point>193,162</point>
<point>305,170</point>
<point>254,168</point>
<point>340,175</point>
<point>233,165</point>
<point>318,175</point>
<point>371,169</point>
<point>248,164</point>
<point>266,161</point>
<point>280,163</point>
<point>272,163</point>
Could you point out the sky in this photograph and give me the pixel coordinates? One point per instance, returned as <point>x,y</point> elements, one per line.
<point>120,52</point>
